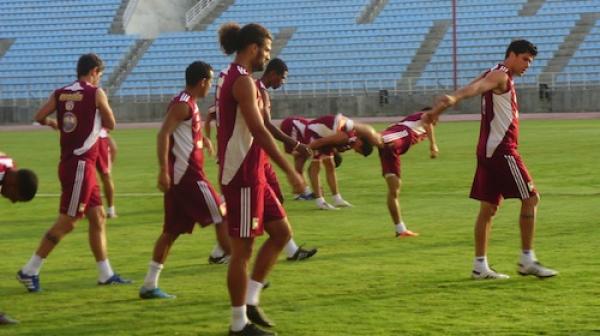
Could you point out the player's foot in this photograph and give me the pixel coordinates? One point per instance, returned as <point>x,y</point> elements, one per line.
<point>342,204</point>
<point>302,254</point>
<point>406,233</point>
<point>5,319</point>
<point>326,206</point>
<point>31,282</point>
<point>251,330</point>
<point>535,268</point>
<point>256,315</point>
<point>488,274</point>
<point>111,215</point>
<point>115,280</point>
<point>154,293</point>
<point>305,197</point>
<point>224,259</point>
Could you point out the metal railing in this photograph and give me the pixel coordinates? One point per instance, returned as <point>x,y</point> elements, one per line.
<point>195,14</point>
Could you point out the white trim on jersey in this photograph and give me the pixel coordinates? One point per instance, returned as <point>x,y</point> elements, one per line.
<point>211,204</point>
<point>183,145</point>
<point>300,126</point>
<point>321,129</point>
<point>391,137</point>
<point>415,126</point>
<point>76,192</point>
<point>503,118</point>
<point>245,213</point>
<point>103,133</point>
<point>518,177</point>
<point>92,137</point>
<point>237,148</point>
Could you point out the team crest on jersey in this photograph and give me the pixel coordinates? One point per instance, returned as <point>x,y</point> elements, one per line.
<point>69,105</point>
<point>69,122</point>
<point>242,70</point>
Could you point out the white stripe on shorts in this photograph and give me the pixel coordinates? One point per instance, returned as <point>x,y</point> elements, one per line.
<point>210,202</point>
<point>245,213</point>
<point>514,169</point>
<point>76,192</point>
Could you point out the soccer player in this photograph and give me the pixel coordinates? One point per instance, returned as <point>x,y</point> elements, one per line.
<point>82,110</point>
<point>17,185</point>
<point>243,143</point>
<point>397,139</point>
<point>323,135</point>
<point>189,197</point>
<point>500,172</point>
<point>294,127</point>
<point>273,77</point>
<point>107,151</point>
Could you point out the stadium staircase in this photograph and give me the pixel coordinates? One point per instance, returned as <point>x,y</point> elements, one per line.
<point>117,26</point>
<point>128,62</point>
<point>371,10</point>
<point>531,7</point>
<point>281,39</point>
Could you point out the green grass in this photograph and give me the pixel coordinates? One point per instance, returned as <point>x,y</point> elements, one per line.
<point>362,281</point>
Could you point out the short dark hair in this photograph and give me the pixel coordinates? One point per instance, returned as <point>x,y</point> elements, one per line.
<point>277,65</point>
<point>234,38</point>
<point>337,159</point>
<point>521,47</point>
<point>27,182</point>
<point>425,108</point>
<point>87,62</point>
<point>367,148</point>
<point>196,72</point>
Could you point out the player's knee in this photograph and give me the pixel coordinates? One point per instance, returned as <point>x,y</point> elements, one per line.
<point>489,209</point>
<point>532,201</point>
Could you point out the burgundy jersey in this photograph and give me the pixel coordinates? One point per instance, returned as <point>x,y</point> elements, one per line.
<point>186,142</point>
<point>241,160</point>
<point>411,126</point>
<point>294,127</point>
<point>499,131</point>
<point>6,163</point>
<point>78,120</point>
<point>328,125</point>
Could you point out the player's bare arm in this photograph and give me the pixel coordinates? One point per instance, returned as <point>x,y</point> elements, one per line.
<point>368,132</point>
<point>48,108</point>
<point>210,116</point>
<point>244,92</point>
<point>113,148</point>
<point>106,113</point>
<point>433,148</point>
<point>176,114</point>
<point>337,139</point>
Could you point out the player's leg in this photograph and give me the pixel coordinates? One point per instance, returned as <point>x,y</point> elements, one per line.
<point>313,174</point>
<point>483,226</point>
<point>109,192</point>
<point>394,184</point>
<point>299,161</point>
<point>329,165</point>
<point>222,250</point>
<point>237,280</point>
<point>162,247</point>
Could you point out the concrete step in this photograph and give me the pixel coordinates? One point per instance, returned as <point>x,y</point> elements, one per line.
<point>127,63</point>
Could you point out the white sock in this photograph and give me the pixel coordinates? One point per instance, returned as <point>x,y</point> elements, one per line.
<point>111,210</point>
<point>291,248</point>
<point>307,190</point>
<point>238,318</point>
<point>253,292</point>
<point>338,198</point>
<point>217,251</point>
<point>528,257</point>
<point>480,264</point>
<point>400,227</point>
<point>151,279</point>
<point>33,266</point>
<point>320,201</point>
<point>104,270</point>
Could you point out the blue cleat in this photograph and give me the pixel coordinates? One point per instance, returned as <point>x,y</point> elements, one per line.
<point>154,293</point>
<point>31,282</point>
<point>115,280</point>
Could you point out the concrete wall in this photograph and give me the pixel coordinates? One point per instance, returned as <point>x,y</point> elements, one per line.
<point>574,100</point>
<point>152,17</point>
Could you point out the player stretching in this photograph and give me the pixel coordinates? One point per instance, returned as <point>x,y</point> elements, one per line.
<point>243,145</point>
<point>189,197</point>
<point>294,127</point>
<point>500,171</point>
<point>397,139</point>
<point>107,151</point>
<point>82,110</point>
<point>18,185</point>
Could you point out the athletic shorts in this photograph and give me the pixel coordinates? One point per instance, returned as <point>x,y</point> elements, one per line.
<point>103,163</point>
<point>288,128</point>
<point>248,208</point>
<point>390,156</point>
<point>191,201</point>
<point>273,182</point>
<point>79,189</point>
<point>501,176</point>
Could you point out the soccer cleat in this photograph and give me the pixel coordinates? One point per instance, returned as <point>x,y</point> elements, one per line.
<point>111,215</point>
<point>305,197</point>
<point>154,293</point>
<point>535,268</point>
<point>252,330</point>
<point>256,315</point>
<point>342,204</point>
<point>406,233</point>
<point>302,254</point>
<point>31,282</point>
<point>5,319</point>
<point>489,274</point>
<point>115,279</point>
<point>224,259</point>
<point>326,206</point>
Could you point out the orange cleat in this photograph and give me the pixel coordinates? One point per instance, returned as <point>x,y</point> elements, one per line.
<point>406,233</point>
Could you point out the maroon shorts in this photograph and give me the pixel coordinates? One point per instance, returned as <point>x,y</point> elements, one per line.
<point>103,163</point>
<point>501,176</point>
<point>288,128</point>
<point>191,201</point>
<point>248,208</point>
<point>80,190</point>
<point>273,182</point>
<point>390,156</point>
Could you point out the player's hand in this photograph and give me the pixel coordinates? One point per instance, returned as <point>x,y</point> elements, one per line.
<point>210,149</point>
<point>164,181</point>
<point>52,123</point>
<point>296,182</point>
<point>434,151</point>
<point>304,150</point>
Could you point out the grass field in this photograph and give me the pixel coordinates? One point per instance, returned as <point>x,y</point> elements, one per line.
<point>362,281</point>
